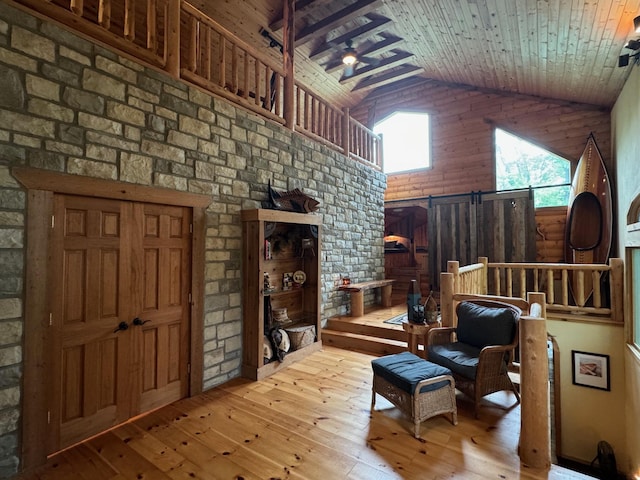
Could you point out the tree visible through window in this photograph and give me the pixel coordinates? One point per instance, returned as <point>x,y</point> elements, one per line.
<point>405,141</point>
<point>520,164</point>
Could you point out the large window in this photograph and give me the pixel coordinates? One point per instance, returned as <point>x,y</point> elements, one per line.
<point>520,164</point>
<point>405,141</point>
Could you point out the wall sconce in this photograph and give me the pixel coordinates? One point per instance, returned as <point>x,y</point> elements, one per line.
<point>623,60</point>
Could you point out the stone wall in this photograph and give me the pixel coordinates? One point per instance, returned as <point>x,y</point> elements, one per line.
<point>71,106</point>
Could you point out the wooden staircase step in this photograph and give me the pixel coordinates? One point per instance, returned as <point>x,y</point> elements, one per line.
<point>362,343</point>
<point>392,332</point>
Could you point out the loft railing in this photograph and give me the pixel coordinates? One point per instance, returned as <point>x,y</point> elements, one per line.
<point>179,38</point>
<point>552,279</point>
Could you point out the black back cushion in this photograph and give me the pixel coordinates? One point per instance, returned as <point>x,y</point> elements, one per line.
<point>489,323</point>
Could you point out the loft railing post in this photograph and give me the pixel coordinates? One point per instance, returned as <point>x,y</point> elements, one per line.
<point>535,439</point>
<point>346,131</point>
<point>173,38</point>
<point>288,47</point>
<point>446,299</point>
<point>616,285</point>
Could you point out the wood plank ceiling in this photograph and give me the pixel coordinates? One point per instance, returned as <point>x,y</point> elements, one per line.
<point>563,49</point>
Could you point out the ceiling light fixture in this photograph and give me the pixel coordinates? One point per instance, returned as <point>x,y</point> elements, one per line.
<point>349,57</point>
<point>623,60</point>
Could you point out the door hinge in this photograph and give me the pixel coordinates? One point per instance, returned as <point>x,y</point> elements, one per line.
<point>53,221</point>
<point>48,416</point>
<point>50,319</point>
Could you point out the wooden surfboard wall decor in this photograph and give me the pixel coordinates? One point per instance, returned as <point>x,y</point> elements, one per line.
<point>589,217</point>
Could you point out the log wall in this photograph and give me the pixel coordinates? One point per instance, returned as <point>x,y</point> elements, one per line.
<point>462,124</point>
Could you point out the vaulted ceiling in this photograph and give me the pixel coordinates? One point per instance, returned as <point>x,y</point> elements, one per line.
<point>563,49</point>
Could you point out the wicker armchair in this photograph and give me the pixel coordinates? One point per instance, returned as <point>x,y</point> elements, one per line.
<point>478,351</point>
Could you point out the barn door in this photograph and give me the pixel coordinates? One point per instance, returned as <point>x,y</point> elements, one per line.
<point>113,262</point>
<point>451,227</point>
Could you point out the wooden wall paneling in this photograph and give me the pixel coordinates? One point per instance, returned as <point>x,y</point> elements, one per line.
<point>550,237</point>
<point>462,123</point>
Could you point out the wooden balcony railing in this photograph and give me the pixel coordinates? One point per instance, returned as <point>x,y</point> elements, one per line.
<point>179,38</point>
<point>552,279</point>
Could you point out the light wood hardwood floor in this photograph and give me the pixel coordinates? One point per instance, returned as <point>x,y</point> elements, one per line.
<point>310,421</point>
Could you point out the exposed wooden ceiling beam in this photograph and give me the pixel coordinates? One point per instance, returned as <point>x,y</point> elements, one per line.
<point>375,49</point>
<point>398,59</point>
<point>374,26</point>
<point>388,77</point>
<point>299,8</point>
<point>324,26</point>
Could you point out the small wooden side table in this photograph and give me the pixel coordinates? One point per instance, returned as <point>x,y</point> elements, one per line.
<point>417,332</point>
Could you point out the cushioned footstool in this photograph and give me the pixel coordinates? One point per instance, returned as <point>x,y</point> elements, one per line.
<point>419,388</point>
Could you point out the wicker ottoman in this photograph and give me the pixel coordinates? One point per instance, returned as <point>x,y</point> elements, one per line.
<point>419,388</point>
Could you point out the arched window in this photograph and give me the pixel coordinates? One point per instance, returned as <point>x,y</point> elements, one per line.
<point>520,164</point>
<point>406,141</point>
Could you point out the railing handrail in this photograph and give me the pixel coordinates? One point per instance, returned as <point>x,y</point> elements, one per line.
<point>464,280</point>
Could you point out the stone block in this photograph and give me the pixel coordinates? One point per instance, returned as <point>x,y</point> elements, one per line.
<point>194,127</point>
<point>6,180</point>
<point>182,140</point>
<point>81,100</point>
<point>136,168</point>
<point>9,420</point>
<point>43,88</point>
<point>33,44</point>
<point>60,75</point>
<point>46,160</point>
<point>89,168</point>
<point>11,238</point>
<point>10,308</point>
<point>170,181</point>
<point>75,56</point>
<point>162,150</point>
<point>12,93</point>
<point>110,141</point>
<point>101,124</point>
<point>10,355</point>
<point>102,153</point>
<point>13,219</point>
<point>126,114</point>
<point>9,397</point>
<point>12,58</point>
<point>19,122</point>
<point>116,69</point>
<point>103,84</point>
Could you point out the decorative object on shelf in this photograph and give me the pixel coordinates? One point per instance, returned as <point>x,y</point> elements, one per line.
<point>268,288</point>
<point>306,245</point>
<point>280,342</point>
<point>346,280</point>
<point>293,201</point>
<point>430,309</point>
<point>268,254</point>
<point>415,311</point>
<point>267,350</point>
<point>280,316</point>
<point>301,336</point>
<point>299,277</point>
<point>590,370</point>
<point>287,280</point>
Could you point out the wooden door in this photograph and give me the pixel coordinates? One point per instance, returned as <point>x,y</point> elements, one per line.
<point>112,262</point>
<point>451,229</point>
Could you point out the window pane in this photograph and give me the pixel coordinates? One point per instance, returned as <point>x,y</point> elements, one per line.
<point>520,164</point>
<point>635,280</point>
<point>405,141</point>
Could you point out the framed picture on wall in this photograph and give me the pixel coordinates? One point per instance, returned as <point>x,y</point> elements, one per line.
<point>590,370</point>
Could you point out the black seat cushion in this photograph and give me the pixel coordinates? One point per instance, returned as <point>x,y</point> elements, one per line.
<point>461,358</point>
<point>482,325</point>
<point>405,370</point>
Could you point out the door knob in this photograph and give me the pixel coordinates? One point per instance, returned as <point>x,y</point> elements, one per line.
<point>138,321</point>
<point>121,326</point>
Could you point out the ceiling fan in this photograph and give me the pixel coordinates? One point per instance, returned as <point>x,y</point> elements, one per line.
<point>350,58</point>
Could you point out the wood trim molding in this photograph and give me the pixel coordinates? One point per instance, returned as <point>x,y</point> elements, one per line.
<point>36,332</point>
<point>41,186</point>
<point>37,179</point>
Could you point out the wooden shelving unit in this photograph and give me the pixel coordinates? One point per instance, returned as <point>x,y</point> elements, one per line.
<point>276,242</point>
